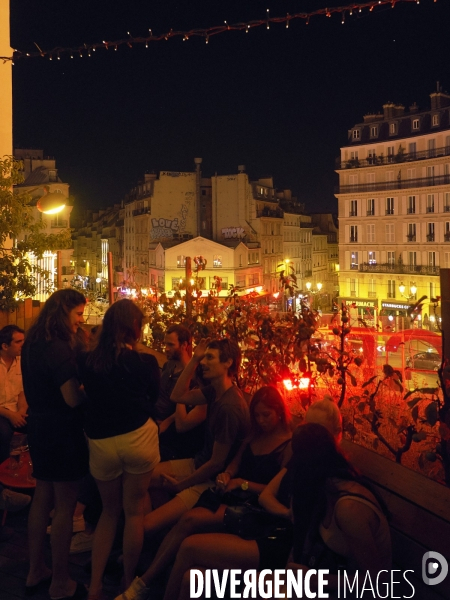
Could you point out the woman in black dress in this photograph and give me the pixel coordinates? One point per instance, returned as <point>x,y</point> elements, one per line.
<point>58,447</point>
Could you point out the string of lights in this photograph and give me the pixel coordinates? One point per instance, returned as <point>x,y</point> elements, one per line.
<point>87,49</point>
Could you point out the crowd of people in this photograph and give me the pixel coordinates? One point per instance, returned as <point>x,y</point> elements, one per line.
<point>182,454</point>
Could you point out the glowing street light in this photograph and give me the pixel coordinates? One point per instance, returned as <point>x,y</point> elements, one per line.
<point>412,291</point>
<point>51,202</point>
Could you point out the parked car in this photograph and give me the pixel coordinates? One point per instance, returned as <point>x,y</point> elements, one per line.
<point>428,361</point>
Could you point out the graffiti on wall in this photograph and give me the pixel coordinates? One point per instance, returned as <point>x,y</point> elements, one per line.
<point>163,228</point>
<point>233,232</point>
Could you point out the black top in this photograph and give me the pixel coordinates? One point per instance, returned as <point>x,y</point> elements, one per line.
<point>261,468</point>
<point>46,366</point>
<point>122,400</point>
<point>164,407</point>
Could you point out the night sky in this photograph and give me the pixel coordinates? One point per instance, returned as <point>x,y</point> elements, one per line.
<point>279,101</point>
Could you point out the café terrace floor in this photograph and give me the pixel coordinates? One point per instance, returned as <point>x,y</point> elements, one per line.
<point>14,565</point>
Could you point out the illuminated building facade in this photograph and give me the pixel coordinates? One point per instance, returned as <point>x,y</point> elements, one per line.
<point>394,208</point>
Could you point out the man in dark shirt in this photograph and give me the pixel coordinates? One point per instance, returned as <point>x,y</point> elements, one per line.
<point>181,430</point>
<point>227,425</point>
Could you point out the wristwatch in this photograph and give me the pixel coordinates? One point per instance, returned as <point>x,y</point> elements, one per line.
<point>244,486</point>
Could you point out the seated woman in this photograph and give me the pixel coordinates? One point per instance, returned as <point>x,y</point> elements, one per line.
<point>327,501</point>
<point>258,460</point>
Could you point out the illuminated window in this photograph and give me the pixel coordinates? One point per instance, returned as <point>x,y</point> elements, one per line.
<point>181,261</point>
<point>217,262</point>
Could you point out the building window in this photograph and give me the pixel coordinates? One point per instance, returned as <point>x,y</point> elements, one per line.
<point>412,148</point>
<point>431,259</point>
<point>353,233</point>
<point>389,206</point>
<point>161,283</point>
<point>447,231</point>
<point>354,263</point>
<point>412,259</point>
<point>392,128</point>
<point>372,288</point>
<point>390,232</point>
<point>355,134</point>
<point>353,208</point>
<point>372,258</point>
<point>411,235</point>
<point>410,174</point>
<point>371,207</point>
<point>415,124</point>
<point>430,232</point>
<point>411,210</point>
<point>447,260</point>
<point>391,288</point>
<point>253,279</point>
<point>432,290</point>
<point>430,203</point>
<point>374,131</point>
<point>391,258</point>
<point>431,148</point>
<point>181,261</point>
<point>240,281</point>
<point>390,155</point>
<point>370,231</point>
<point>217,261</point>
<point>435,120</point>
<point>354,288</point>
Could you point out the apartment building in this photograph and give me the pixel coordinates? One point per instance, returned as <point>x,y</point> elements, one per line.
<point>394,208</point>
<point>40,178</point>
<point>95,234</point>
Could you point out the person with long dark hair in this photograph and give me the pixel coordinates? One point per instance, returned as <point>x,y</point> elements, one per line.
<point>336,518</point>
<point>122,386</point>
<point>56,439</point>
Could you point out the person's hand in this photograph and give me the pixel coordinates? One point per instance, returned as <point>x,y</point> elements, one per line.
<point>222,481</point>
<point>169,483</point>
<point>17,419</point>
<point>200,349</point>
<point>234,484</point>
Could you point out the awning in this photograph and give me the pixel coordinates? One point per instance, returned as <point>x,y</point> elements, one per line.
<point>408,335</point>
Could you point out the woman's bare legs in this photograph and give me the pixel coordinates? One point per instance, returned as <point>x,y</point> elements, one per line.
<point>65,493</point>
<point>111,495</point>
<point>212,551</point>
<point>135,491</point>
<point>37,527</point>
<point>196,520</point>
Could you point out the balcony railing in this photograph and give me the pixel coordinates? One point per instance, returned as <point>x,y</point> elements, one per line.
<point>447,208</point>
<point>430,237</point>
<point>370,213</point>
<point>430,209</point>
<point>389,211</point>
<point>353,213</point>
<point>270,212</point>
<point>355,163</point>
<point>399,268</point>
<point>353,238</point>
<point>141,211</point>
<point>410,211</point>
<point>447,237</point>
<point>371,294</point>
<point>398,184</point>
<point>411,237</point>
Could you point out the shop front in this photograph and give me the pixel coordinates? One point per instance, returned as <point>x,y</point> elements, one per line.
<point>362,312</point>
<point>394,315</point>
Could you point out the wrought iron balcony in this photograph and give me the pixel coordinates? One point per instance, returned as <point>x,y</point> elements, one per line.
<point>399,268</point>
<point>447,208</point>
<point>430,237</point>
<point>353,213</point>
<point>447,236</point>
<point>430,209</point>
<point>397,184</point>
<point>270,212</point>
<point>400,157</point>
<point>410,211</point>
<point>411,237</point>
<point>353,238</point>
<point>370,213</point>
<point>389,211</point>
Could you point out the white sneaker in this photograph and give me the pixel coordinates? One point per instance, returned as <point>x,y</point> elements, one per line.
<point>137,591</point>
<point>78,525</point>
<point>81,542</point>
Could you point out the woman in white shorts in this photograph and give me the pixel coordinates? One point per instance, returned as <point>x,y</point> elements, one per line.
<point>122,386</point>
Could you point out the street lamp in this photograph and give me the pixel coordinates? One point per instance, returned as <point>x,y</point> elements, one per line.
<point>51,202</point>
<point>314,292</point>
<point>412,291</point>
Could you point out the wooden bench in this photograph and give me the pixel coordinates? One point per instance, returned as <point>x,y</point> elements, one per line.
<point>419,516</point>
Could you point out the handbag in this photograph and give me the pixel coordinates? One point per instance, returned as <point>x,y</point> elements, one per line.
<point>252,522</point>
